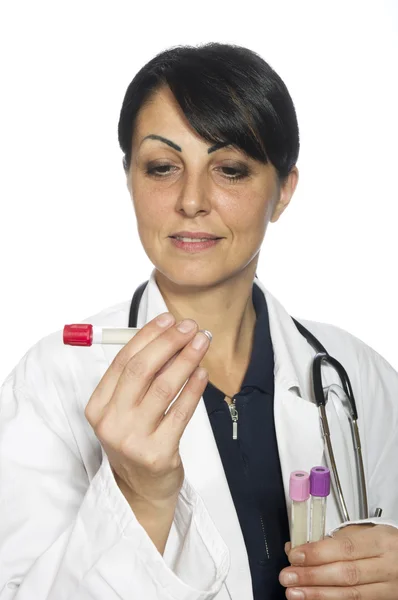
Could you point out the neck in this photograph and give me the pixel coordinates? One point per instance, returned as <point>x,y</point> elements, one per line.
<point>226,310</point>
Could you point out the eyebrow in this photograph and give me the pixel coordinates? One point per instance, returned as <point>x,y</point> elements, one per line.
<point>152,136</point>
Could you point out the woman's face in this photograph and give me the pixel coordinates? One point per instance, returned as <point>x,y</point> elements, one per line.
<point>224,193</point>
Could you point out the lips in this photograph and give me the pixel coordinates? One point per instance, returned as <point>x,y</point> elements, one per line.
<point>194,246</point>
<point>191,239</point>
<point>195,235</point>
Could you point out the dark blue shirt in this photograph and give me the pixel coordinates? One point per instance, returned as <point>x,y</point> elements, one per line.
<point>251,462</point>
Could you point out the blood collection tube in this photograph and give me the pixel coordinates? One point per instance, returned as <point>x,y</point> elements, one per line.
<point>82,334</point>
<point>299,492</point>
<point>319,490</point>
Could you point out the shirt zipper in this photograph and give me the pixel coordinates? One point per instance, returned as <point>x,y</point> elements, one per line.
<point>234,416</point>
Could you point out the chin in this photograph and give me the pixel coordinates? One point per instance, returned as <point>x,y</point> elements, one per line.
<point>190,277</point>
<point>196,279</point>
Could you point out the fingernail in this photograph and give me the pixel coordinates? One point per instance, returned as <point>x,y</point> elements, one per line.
<point>186,325</point>
<point>165,319</point>
<point>289,578</point>
<point>200,341</point>
<point>296,595</point>
<point>208,333</point>
<point>297,558</point>
<point>201,373</point>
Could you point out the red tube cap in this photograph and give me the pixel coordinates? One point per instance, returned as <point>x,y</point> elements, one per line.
<point>78,335</point>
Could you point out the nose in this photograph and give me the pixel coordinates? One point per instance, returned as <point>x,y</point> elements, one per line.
<point>193,197</point>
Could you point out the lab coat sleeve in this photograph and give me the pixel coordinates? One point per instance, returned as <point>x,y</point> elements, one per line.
<point>63,537</point>
<point>378,389</point>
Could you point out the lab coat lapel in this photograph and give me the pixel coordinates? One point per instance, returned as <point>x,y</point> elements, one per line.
<point>205,472</point>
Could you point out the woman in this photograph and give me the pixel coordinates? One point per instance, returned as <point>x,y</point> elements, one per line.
<point>117,484</point>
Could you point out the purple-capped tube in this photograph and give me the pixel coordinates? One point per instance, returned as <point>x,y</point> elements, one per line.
<point>299,492</point>
<point>319,490</point>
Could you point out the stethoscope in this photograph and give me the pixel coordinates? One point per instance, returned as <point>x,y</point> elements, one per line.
<point>348,403</point>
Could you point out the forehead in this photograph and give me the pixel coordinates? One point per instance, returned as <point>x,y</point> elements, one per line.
<point>161,108</point>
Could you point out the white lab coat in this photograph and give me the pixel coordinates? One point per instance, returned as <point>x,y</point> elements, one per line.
<point>67,532</point>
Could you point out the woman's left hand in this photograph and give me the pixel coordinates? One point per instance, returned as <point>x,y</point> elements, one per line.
<point>360,562</point>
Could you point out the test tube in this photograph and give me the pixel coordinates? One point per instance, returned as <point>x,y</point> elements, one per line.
<point>299,492</point>
<point>319,490</point>
<point>83,334</point>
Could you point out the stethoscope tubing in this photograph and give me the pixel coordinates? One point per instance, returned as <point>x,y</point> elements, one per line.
<point>332,462</point>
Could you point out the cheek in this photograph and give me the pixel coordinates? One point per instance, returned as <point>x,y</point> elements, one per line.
<point>151,206</point>
<point>243,210</point>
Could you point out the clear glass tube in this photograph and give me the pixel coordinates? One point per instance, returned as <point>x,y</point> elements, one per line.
<point>317,518</point>
<point>299,523</point>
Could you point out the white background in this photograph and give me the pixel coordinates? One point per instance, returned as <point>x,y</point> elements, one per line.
<point>69,246</point>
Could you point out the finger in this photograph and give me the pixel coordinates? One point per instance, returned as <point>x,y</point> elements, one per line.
<point>344,574</point>
<point>164,389</point>
<point>140,371</point>
<point>356,544</point>
<point>177,418</point>
<point>167,365</point>
<point>375,591</point>
<point>106,387</point>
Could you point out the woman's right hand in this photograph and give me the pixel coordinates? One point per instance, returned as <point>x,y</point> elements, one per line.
<point>127,409</point>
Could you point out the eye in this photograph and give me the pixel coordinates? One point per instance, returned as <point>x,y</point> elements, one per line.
<point>231,173</point>
<point>159,171</point>
<point>235,173</point>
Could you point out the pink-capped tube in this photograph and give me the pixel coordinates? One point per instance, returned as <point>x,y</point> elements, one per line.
<point>299,492</point>
<point>82,334</point>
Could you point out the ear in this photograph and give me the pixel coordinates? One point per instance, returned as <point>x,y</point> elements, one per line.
<point>285,194</point>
